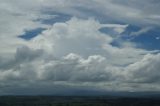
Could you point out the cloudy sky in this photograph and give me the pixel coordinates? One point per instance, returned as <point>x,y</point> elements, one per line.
<point>79,46</point>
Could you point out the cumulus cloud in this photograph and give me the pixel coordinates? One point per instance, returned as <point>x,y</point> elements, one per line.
<point>26,13</point>
<point>75,53</point>
<point>146,70</point>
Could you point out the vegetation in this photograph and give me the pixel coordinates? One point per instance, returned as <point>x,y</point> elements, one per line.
<point>75,101</point>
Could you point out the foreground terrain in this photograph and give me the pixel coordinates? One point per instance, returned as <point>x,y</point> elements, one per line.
<point>76,101</point>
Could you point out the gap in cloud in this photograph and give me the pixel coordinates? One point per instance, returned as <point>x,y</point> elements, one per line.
<point>149,40</point>
<point>126,35</point>
<point>31,33</point>
<point>129,30</point>
<point>59,17</point>
<point>115,43</point>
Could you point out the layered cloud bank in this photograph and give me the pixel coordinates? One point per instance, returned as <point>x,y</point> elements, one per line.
<point>73,53</point>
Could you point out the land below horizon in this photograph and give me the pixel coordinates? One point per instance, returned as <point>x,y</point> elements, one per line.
<point>78,101</point>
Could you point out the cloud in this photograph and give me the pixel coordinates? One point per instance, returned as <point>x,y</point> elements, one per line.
<point>146,70</point>
<point>77,69</point>
<point>30,14</point>
<point>75,54</point>
<point>118,28</point>
<point>130,12</point>
<point>74,36</point>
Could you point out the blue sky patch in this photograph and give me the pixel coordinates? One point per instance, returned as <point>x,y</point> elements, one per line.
<point>149,40</point>
<point>129,30</point>
<point>31,33</point>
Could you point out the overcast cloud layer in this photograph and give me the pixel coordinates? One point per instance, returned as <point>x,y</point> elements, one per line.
<point>81,46</point>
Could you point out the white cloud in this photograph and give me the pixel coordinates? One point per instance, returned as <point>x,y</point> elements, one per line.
<point>116,27</point>
<point>75,53</point>
<point>75,36</point>
<point>24,13</point>
<point>130,12</point>
<point>146,70</point>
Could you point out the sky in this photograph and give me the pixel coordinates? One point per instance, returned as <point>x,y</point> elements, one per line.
<point>62,47</point>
